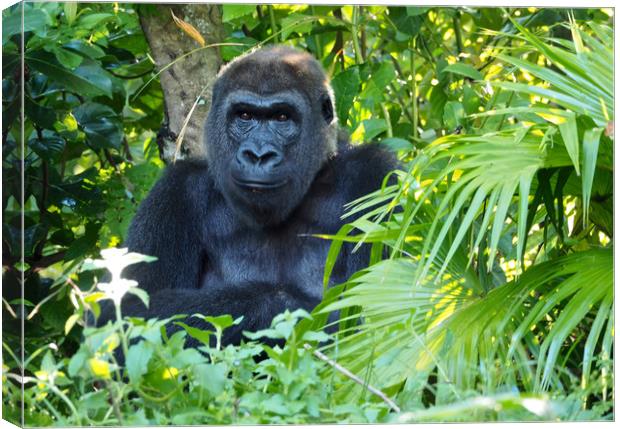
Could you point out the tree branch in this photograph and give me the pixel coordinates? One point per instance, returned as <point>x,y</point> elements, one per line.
<point>353,377</point>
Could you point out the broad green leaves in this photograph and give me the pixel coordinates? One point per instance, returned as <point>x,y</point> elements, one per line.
<point>233,11</point>
<point>494,257</point>
<point>90,21</point>
<point>100,124</point>
<point>591,141</point>
<point>463,70</point>
<point>35,20</point>
<point>79,147</point>
<point>346,86</point>
<point>138,359</point>
<point>407,20</point>
<point>497,230</point>
<point>82,81</point>
<point>49,146</point>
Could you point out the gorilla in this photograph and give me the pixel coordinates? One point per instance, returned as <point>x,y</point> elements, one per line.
<point>233,234</point>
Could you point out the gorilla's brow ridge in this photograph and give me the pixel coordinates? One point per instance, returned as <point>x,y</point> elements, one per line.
<point>291,97</point>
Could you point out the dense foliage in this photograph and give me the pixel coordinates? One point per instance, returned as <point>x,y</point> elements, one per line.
<point>489,293</point>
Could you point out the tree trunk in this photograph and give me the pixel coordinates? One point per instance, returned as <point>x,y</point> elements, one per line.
<point>187,79</point>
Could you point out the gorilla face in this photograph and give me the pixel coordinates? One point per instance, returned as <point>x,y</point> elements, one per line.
<point>266,132</point>
<point>265,144</point>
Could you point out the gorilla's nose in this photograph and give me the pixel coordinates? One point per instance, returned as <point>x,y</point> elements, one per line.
<point>265,157</point>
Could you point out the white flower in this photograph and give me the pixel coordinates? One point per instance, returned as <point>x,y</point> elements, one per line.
<point>116,289</point>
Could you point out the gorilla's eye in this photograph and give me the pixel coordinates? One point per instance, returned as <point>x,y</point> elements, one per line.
<point>326,109</point>
<point>281,117</point>
<point>245,116</point>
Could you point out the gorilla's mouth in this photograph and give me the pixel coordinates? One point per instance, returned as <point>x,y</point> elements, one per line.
<point>259,185</point>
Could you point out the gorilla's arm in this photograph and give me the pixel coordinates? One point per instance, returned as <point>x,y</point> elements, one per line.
<point>242,300</point>
<point>167,226</point>
<point>363,169</point>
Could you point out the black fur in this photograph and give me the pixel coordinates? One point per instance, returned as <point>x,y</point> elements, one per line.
<point>226,249</point>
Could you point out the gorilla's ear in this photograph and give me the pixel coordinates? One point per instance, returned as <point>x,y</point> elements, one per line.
<point>326,108</point>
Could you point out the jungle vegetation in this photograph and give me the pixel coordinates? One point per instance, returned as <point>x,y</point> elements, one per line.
<point>489,292</point>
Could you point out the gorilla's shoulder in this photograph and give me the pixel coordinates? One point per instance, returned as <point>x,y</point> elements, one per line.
<point>363,167</point>
<point>186,176</point>
<point>183,184</point>
<point>187,170</point>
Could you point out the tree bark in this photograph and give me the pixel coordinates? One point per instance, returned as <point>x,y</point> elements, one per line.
<point>186,80</point>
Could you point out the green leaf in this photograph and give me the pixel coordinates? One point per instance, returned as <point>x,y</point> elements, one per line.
<point>84,48</point>
<point>295,22</point>
<point>415,11</point>
<point>212,377</point>
<point>453,115</point>
<point>267,333</point>
<point>346,86</point>
<point>70,323</point>
<point>34,20</point>
<point>47,64</point>
<point>141,294</point>
<point>101,125</point>
<point>437,101</point>
<point>380,77</point>
<point>277,405</point>
<point>373,127</point>
<point>464,70</point>
<point>591,140</point>
<point>137,360</point>
<point>85,243</point>
<point>131,40</point>
<point>92,71</point>
<point>404,22</point>
<point>42,116</point>
<point>233,11</point>
<point>129,71</point>
<point>201,335</point>
<point>471,100</point>
<point>219,322</point>
<point>76,363</point>
<point>90,21</point>
<point>64,237</point>
<point>568,130</point>
<point>316,336</point>
<point>230,52</point>
<point>70,10</point>
<point>47,363</point>
<point>397,144</point>
<point>188,358</point>
<point>67,58</point>
<point>383,74</point>
<point>603,314</point>
<point>95,400</point>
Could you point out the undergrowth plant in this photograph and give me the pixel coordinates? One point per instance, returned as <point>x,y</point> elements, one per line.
<point>500,242</point>
<point>489,291</point>
<point>133,371</point>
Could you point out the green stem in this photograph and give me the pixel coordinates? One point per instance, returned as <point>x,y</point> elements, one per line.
<point>115,402</point>
<point>356,43</point>
<point>317,39</point>
<point>490,105</point>
<point>218,338</point>
<point>293,351</point>
<point>52,410</point>
<point>458,36</point>
<point>501,122</point>
<point>161,399</point>
<point>66,400</point>
<point>119,323</point>
<point>414,91</point>
<point>388,122</point>
<point>272,18</point>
